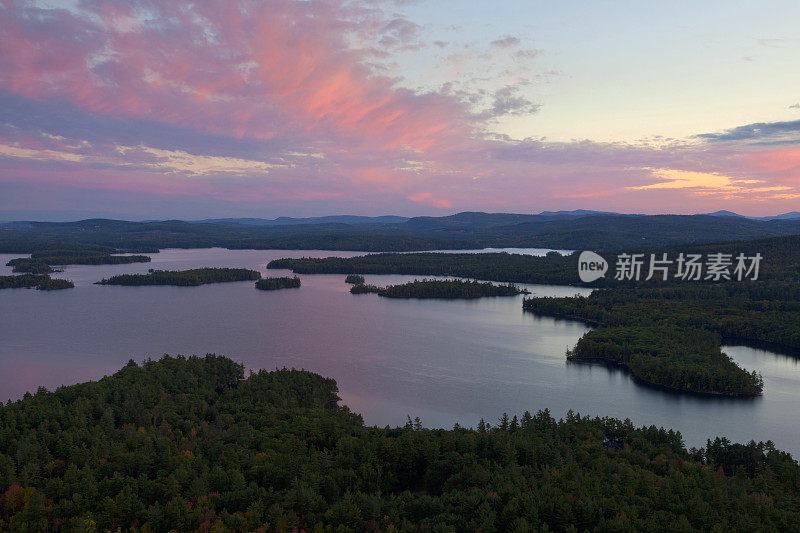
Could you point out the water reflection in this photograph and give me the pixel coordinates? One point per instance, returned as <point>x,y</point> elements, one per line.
<point>444,361</point>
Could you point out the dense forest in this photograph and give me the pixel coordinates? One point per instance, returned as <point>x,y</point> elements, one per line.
<point>187,444</point>
<point>354,279</point>
<point>445,289</point>
<point>671,335</point>
<point>183,278</point>
<point>273,284</point>
<point>42,282</point>
<point>459,231</point>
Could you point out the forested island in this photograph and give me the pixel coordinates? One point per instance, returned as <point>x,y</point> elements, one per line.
<point>274,284</point>
<point>509,268</point>
<point>354,279</point>
<point>445,289</point>
<point>188,444</point>
<point>43,259</point>
<point>41,282</point>
<point>670,336</point>
<point>183,278</point>
<point>30,266</point>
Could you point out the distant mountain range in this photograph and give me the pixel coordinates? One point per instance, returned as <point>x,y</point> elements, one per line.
<point>291,221</point>
<point>464,218</point>
<point>785,216</point>
<point>573,230</point>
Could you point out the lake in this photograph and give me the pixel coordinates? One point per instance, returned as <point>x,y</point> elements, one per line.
<point>443,361</point>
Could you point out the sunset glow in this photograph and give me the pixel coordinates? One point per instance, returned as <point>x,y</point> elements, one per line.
<point>165,110</point>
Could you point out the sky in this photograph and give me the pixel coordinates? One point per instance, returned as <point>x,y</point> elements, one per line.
<point>153,110</point>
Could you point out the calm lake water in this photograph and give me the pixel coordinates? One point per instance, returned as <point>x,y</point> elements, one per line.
<point>444,361</point>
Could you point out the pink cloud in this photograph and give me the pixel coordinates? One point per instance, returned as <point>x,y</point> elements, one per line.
<point>287,74</point>
<point>428,199</point>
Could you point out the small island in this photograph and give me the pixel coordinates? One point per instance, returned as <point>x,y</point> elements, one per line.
<point>183,278</point>
<point>444,289</point>
<point>354,279</point>
<point>30,266</point>
<point>274,284</point>
<point>41,282</point>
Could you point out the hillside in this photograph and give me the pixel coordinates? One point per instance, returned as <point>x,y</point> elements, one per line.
<point>460,231</point>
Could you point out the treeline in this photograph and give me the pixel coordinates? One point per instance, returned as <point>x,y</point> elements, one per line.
<point>183,278</point>
<point>675,331</point>
<point>273,284</point>
<point>43,258</point>
<point>187,444</point>
<point>42,282</point>
<point>780,262</point>
<point>511,268</point>
<point>445,289</point>
<point>366,288</point>
<point>459,231</point>
<point>146,237</point>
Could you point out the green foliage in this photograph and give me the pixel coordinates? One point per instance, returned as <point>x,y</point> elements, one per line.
<point>447,289</point>
<point>41,282</point>
<point>365,288</point>
<point>183,278</point>
<point>273,284</point>
<point>21,281</point>
<point>683,325</point>
<point>354,279</point>
<point>684,359</point>
<point>30,265</point>
<point>54,284</point>
<point>186,444</point>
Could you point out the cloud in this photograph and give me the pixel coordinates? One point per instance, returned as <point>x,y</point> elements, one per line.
<point>506,42</point>
<point>714,183</point>
<point>428,199</point>
<point>507,101</point>
<point>292,106</point>
<point>759,131</point>
<point>525,54</point>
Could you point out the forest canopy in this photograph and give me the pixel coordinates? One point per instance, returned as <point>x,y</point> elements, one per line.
<point>188,444</point>
<point>273,284</point>
<point>671,335</point>
<point>183,278</point>
<point>445,289</point>
<point>41,282</point>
